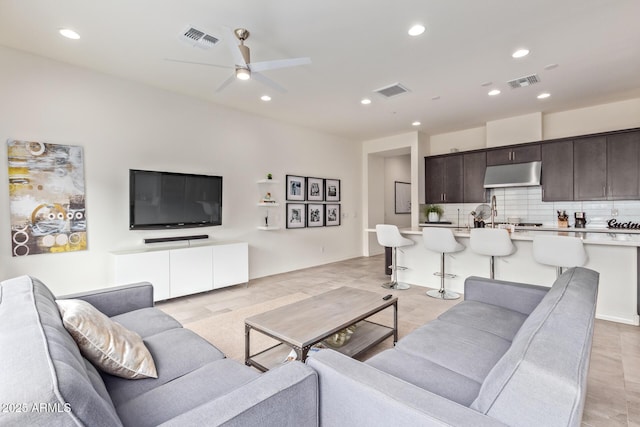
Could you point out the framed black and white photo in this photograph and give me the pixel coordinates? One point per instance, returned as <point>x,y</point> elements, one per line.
<point>332,215</point>
<point>331,190</point>
<point>295,188</point>
<point>296,215</point>
<point>403,197</point>
<point>315,189</point>
<point>315,215</point>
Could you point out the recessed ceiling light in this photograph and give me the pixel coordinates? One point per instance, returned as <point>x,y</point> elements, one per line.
<point>494,92</point>
<point>265,98</point>
<point>68,33</point>
<point>550,66</point>
<point>416,30</point>
<point>416,123</point>
<point>365,101</point>
<point>544,95</point>
<point>520,53</point>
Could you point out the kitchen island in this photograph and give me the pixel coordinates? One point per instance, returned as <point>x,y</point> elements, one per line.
<point>613,254</point>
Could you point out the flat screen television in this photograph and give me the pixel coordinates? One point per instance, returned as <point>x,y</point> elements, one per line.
<point>160,200</point>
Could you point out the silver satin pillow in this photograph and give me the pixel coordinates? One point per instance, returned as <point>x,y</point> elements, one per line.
<point>107,344</point>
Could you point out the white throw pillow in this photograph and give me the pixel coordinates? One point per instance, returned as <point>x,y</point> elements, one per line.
<point>107,344</point>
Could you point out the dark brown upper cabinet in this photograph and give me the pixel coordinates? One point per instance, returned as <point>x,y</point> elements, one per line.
<point>517,154</point>
<point>606,167</point>
<point>623,161</point>
<point>557,171</point>
<point>443,179</point>
<point>590,168</point>
<point>475,165</point>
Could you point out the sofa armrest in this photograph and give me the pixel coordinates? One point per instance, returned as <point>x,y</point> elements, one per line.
<point>356,394</point>
<point>118,299</point>
<point>520,297</point>
<point>285,396</point>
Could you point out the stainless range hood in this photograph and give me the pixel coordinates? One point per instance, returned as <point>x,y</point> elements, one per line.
<point>513,175</point>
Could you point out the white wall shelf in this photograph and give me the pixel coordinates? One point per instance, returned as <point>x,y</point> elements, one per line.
<point>266,186</point>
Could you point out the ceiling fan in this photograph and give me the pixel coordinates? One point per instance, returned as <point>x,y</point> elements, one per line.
<point>244,68</point>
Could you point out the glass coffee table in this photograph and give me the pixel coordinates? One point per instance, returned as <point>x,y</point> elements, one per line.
<point>301,325</point>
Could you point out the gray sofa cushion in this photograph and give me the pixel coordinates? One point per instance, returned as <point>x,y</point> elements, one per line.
<point>46,368</point>
<point>490,318</point>
<point>169,400</point>
<point>176,352</point>
<point>547,387</point>
<point>147,321</point>
<point>427,375</point>
<point>472,353</point>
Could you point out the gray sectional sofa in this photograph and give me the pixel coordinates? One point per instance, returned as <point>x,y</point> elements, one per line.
<point>45,381</point>
<point>510,354</point>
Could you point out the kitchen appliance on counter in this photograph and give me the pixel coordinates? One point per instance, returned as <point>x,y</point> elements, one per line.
<point>581,220</point>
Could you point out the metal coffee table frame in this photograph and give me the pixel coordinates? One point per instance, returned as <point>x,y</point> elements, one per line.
<point>301,325</point>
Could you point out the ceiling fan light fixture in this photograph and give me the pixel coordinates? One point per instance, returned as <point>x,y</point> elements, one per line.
<point>243,74</point>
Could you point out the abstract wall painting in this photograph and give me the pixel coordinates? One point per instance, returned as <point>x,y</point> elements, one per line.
<point>47,198</point>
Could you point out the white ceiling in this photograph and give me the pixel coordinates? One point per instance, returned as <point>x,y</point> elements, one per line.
<point>356,46</point>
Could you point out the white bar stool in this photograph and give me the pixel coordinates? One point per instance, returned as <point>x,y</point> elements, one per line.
<point>559,251</point>
<point>441,240</point>
<point>493,242</point>
<point>389,235</point>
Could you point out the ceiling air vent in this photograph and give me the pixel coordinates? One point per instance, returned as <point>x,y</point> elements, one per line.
<point>524,81</point>
<point>198,38</point>
<point>393,90</point>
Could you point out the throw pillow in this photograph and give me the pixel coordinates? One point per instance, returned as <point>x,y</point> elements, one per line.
<point>107,344</point>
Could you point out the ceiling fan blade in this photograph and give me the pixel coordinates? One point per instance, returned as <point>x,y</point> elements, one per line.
<point>230,40</point>
<point>278,63</point>
<point>226,83</point>
<point>197,63</point>
<point>267,81</point>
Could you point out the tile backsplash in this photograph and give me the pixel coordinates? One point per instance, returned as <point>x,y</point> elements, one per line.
<point>526,203</point>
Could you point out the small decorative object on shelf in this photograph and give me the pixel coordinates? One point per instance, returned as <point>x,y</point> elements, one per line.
<point>269,176</point>
<point>340,338</point>
<point>267,200</point>
<point>433,212</point>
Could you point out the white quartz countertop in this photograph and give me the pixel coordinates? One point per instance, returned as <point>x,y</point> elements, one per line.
<point>589,236</point>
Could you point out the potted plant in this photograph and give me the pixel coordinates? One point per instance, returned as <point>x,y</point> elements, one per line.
<point>433,212</point>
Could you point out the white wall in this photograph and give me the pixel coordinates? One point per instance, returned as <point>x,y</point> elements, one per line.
<point>598,118</point>
<point>396,168</point>
<point>124,125</point>
<point>514,130</point>
<point>582,121</point>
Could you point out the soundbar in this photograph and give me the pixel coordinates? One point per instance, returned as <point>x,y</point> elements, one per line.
<point>176,238</point>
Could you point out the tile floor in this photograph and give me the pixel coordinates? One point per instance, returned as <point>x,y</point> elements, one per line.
<point>613,395</point>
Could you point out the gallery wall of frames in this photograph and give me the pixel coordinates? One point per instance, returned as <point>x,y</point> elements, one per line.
<point>312,202</point>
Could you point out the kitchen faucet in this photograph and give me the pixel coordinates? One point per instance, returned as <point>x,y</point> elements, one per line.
<point>494,211</point>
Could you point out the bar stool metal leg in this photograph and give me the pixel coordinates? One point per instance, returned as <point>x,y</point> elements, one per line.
<point>394,284</point>
<point>442,293</point>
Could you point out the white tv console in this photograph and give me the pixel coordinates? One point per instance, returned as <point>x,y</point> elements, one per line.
<point>175,271</point>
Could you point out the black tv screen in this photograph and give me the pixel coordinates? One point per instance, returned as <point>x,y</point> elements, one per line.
<point>173,200</point>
